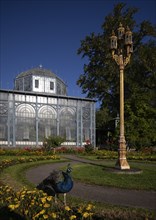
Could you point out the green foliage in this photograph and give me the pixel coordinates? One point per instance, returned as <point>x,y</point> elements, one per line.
<point>148,154</point>
<point>26,151</point>
<point>35,204</point>
<point>102,117</point>
<point>70,150</point>
<point>52,142</point>
<point>13,161</point>
<point>100,79</point>
<point>89,148</point>
<point>94,174</point>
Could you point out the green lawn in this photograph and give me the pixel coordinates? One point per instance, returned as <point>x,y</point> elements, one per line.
<point>94,174</point>
<point>101,176</point>
<point>15,176</point>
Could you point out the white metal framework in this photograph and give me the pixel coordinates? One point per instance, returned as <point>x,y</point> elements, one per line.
<point>27,116</point>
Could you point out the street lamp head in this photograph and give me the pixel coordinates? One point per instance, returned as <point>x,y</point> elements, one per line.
<point>113,43</point>
<point>121,32</point>
<point>128,37</point>
<point>113,38</point>
<point>121,45</point>
<point>128,41</point>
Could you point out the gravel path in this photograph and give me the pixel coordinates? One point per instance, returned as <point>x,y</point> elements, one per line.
<point>110,195</point>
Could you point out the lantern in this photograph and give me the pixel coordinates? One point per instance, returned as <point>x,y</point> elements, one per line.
<point>121,32</point>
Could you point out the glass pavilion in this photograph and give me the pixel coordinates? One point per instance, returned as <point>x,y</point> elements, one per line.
<point>39,107</point>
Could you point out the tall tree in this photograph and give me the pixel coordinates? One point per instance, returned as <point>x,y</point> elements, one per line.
<point>100,79</point>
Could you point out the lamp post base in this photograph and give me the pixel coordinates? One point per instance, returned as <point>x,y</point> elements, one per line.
<point>122,163</point>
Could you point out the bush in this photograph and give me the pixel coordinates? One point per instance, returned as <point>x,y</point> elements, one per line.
<point>88,147</point>
<point>51,142</point>
<point>70,150</point>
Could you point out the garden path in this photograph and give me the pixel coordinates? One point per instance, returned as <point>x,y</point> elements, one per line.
<point>88,192</point>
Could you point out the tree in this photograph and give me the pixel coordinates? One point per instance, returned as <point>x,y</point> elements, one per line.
<point>100,79</point>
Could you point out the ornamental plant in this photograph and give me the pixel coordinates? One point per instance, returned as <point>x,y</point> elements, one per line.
<point>26,151</point>
<point>9,162</point>
<point>88,147</point>
<point>35,204</point>
<point>51,142</point>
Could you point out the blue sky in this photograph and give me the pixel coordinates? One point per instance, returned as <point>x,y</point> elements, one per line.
<point>48,33</point>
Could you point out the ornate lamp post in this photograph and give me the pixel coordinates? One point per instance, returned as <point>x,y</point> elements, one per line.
<point>122,47</point>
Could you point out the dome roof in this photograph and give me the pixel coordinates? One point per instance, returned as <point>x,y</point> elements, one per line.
<point>25,81</point>
<point>39,71</point>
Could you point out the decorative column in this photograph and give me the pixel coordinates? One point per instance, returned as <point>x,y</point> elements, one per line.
<point>122,47</point>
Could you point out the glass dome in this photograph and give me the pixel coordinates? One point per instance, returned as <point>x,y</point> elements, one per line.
<point>40,80</point>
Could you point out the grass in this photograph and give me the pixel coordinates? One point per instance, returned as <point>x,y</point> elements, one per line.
<point>93,174</point>
<point>15,176</point>
<point>99,175</point>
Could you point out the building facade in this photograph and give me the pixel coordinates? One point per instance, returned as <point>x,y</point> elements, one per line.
<point>39,107</point>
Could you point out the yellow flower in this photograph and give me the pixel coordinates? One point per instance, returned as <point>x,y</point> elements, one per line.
<point>22,196</point>
<point>23,192</point>
<point>43,200</point>
<point>26,212</point>
<point>29,192</point>
<point>46,205</point>
<point>45,216</point>
<point>42,211</point>
<point>8,190</point>
<point>80,210</point>
<point>32,203</point>
<point>9,198</point>
<point>67,208</point>
<point>13,206</point>
<point>72,217</point>
<point>85,214</point>
<point>53,215</point>
<point>89,207</point>
<point>49,198</point>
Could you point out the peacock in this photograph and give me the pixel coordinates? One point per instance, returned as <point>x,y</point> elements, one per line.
<point>53,185</point>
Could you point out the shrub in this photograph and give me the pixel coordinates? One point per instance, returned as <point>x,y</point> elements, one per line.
<point>51,142</point>
<point>70,150</point>
<point>88,147</point>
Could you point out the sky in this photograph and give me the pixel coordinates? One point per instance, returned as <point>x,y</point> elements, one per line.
<point>49,33</point>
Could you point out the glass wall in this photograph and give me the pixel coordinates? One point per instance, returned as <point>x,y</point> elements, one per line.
<point>47,126</point>
<point>67,124</point>
<point>25,119</point>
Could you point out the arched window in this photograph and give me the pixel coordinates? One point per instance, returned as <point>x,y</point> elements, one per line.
<point>25,122</point>
<point>47,122</point>
<point>67,118</point>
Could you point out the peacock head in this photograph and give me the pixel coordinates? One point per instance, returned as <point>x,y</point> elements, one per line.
<point>69,169</point>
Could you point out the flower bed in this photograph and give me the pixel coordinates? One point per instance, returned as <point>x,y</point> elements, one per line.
<point>26,151</point>
<point>37,205</point>
<point>9,162</point>
<point>70,150</point>
<point>34,204</point>
<point>106,154</point>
